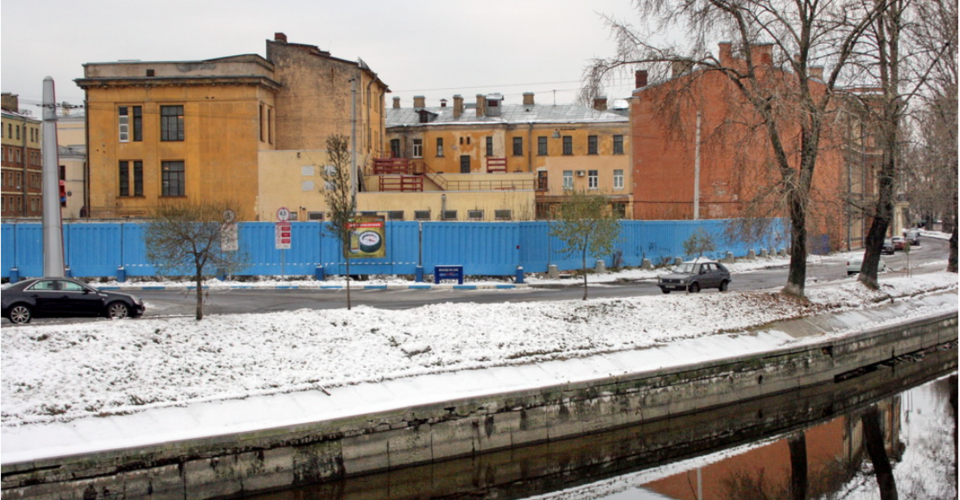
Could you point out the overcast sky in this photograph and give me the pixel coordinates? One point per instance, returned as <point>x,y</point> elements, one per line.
<point>435,48</point>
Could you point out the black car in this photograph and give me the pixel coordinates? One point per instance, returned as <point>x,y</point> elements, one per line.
<point>694,276</point>
<point>64,297</point>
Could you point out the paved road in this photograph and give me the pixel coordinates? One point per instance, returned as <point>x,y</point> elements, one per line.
<point>162,303</point>
<point>167,303</point>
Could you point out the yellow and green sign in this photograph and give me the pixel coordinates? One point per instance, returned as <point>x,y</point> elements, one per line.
<point>367,237</point>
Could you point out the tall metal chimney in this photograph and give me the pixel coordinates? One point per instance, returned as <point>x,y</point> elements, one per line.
<point>52,229</point>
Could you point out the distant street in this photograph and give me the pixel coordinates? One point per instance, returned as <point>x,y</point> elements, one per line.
<point>167,303</point>
<point>174,303</point>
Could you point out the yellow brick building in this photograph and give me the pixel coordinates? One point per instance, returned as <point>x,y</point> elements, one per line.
<point>474,152</point>
<point>196,130</point>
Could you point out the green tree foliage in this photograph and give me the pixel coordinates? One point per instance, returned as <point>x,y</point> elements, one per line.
<point>587,227</point>
<point>699,243</point>
<point>185,239</point>
<point>339,196</point>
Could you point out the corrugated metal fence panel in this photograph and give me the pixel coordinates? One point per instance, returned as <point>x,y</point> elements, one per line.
<point>258,241</point>
<point>134,256</point>
<point>92,250</point>
<point>7,254</point>
<point>28,249</point>
<point>402,240</point>
<point>482,248</point>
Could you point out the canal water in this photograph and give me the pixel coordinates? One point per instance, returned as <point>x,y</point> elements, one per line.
<point>887,431</point>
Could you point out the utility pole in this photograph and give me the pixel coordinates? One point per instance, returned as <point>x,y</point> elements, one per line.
<point>52,229</point>
<point>696,174</point>
<point>353,138</point>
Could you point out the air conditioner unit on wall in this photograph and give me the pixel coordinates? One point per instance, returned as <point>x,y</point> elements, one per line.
<point>581,173</point>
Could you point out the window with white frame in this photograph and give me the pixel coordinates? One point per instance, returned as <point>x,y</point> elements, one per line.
<point>618,179</point>
<point>418,148</point>
<point>593,179</point>
<point>568,179</point>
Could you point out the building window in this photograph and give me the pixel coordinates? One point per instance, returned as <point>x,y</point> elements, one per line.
<point>475,215</point>
<point>489,146</point>
<point>619,210</point>
<point>567,145</point>
<point>138,178</point>
<point>504,214</point>
<point>269,124</point>
<point>618,144</point>
<point>449,215</point>
<point>593,179</point>
<point>173,178</point>
<point>542,146</point>
<point>124,178</point>
<point>418,148</point>
<point>395,215</point>
<point>591,145</point>
<point>130,117</point>
<point>568,179</point>
<point>261,123</point>
<point>518,146</point>
<point>171,123</point>
<point>421,215</point>
<point>439,146</point>
<point>618,179</point>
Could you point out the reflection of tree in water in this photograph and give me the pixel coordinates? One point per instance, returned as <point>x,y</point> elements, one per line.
<point>752,485</point>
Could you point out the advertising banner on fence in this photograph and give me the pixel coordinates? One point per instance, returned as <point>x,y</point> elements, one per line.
<point>367,237</point>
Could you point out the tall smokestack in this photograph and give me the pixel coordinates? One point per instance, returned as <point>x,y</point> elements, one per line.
<point>641,75</point>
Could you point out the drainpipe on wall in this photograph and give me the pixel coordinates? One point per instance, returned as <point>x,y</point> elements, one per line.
<point>696,174</point>
<point>530,147</point>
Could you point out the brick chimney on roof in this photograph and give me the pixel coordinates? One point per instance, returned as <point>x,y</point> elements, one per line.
<point>600,103</point>
<point>481,105</point>
<point>443,103</point>
<point>726,53</point>
<point>419,101</point>
<point>816,72</point>
<point>641,75</point>
<point>396,103</point>
<point>762,54</point>
<point>457,106</point>
<point>279,37</point>
<point>528,99</point>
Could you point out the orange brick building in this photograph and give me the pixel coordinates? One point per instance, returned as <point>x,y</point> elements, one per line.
<point>733,154</point>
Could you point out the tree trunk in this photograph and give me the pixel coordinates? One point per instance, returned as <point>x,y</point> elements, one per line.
<point>346,257</point>
<point>797,275</point>
<point>199,280</point>
<point>952,260</point>
<point>583,265</point>
<point>798,466</point>
<point>873,439</point>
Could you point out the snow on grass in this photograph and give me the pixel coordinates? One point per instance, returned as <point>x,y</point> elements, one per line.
<point>63,372</point>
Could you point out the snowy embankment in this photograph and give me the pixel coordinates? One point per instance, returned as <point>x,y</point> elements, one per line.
<point>63,372</point>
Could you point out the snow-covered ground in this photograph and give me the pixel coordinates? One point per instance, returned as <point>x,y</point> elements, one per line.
<point>67,371</point>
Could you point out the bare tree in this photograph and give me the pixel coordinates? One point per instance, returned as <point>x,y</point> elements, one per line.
<point>185,239</point>
<point>587,227</point>
<point>339,197</point>
<point>791,98</point>
<point>698,243</point>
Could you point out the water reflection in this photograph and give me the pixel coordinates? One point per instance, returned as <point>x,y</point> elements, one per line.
<point>891,433</point>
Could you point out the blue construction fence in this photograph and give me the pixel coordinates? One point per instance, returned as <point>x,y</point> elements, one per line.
<point>99,249</point>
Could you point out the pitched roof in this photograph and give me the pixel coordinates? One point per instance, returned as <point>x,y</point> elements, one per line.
<point>509,114</point>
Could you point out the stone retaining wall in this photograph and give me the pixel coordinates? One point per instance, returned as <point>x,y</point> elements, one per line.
<point>279,458</point>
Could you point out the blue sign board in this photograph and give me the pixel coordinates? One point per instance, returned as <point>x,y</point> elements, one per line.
<point>441,273</point>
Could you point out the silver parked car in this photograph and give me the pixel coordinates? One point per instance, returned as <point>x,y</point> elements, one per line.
<point>694,276</point>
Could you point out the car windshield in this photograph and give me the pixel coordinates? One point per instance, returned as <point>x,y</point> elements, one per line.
<point>687,268</point>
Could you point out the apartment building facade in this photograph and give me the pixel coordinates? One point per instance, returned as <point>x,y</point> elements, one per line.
<point>21,161</point>
<point>475,154</point>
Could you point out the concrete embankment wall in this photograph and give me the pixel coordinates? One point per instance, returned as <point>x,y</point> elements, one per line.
<point>280,458</point>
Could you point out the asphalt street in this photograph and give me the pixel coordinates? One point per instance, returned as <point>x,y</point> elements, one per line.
<point>180,303</point>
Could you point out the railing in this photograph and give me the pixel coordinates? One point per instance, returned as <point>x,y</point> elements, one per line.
<point>389,166</point>
<point>402,183</point>
<point>496,165</point>
<point>507,185</point>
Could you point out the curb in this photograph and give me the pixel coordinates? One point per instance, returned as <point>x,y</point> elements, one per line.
<point>417,286</point>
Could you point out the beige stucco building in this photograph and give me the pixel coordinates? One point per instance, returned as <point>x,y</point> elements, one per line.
<point>197,130</point>
<point>494,160</point>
